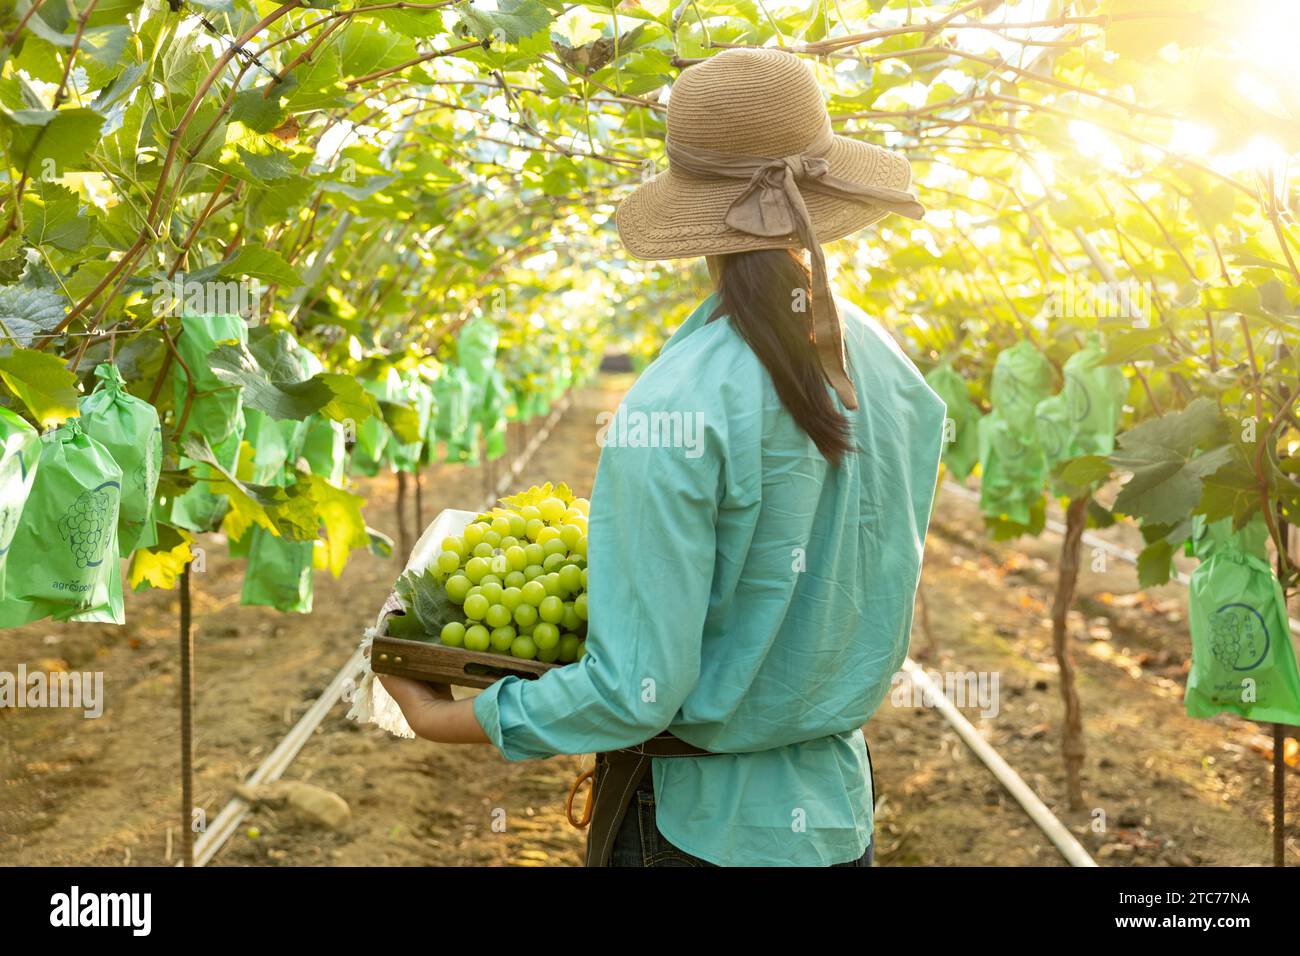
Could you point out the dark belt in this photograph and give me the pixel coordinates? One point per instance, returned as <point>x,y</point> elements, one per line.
<point>614,783</point>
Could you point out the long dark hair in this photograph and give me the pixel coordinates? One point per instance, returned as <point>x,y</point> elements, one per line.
<point>760,293</point>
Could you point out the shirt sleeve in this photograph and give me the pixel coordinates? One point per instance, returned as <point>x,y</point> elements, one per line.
<point>651,552</point>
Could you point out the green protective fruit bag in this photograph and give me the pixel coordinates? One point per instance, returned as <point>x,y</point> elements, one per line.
<point>64,552</point>
<point>1012,465</point>
<point>215,411</point>
<point>476,349</point>
<point>1243,660</point>
<point>324,448</point>
<point>419,395</point>
<point>1082,419</point>
<point>20,453</point>
<point>279,573</point>
<point>452,394</point>
<point>1022,377</point>
<point>373,435</point>
<point>494,416</point>
<point>961,447</point>
<point>1012,470</point>
<point>128,427</point>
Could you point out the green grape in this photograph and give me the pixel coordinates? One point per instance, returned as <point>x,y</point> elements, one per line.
<point>548,655</point>
<point>580,547</point>
<point>492,538</point>
<point>448,562</point>
<point>508,541</point>
<point>454,543</point>
<point>581,505</point>
<point>534,592</point>
<point>553,562</point>
<point>551,582</point>
<point>533,571</point>
<point>501,526</point>
<point>483,550</point>
<point>534,528</point>
<point>584,579</point>
<point>546,635</point>
<point>556,545</point>
<point>474,590</point>
<point>515,579</point>
<point>453,634</point>
<point>551,610</point>
<point>535,553</point>
<point>457,587</point>
<point>476,606</point>
<point>500,565</point>
<point>525,615</point>
<point>570,534</point>
<point>530,513</point>
<point>516,558</point>
<point>476,638</point>
<point>501,638</point>
<point>518,525</point>
<point>523,647</point>
<point>525,628</point>
<point>571,579</point>
<point>547,535</point>
<point>570,621</point>
<point>568,647</point>
<point>498,615</point>
<point>473,535</point>
<point>582,649</point>
<point>512,597</point>
<point>489,579</point>
<point>580,605</point>
<point>552,509</point>
<point>476,569</point>
<point>491,590</point>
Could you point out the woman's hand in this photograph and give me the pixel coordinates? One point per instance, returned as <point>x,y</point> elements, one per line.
<point>433,713</point>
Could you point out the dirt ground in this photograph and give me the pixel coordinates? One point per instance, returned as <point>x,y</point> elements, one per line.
<point>1161,789</point>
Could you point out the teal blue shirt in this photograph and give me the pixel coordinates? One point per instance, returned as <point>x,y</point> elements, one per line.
<point>745,595</point>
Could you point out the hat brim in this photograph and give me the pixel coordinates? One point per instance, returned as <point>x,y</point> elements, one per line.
<point>676,215</point>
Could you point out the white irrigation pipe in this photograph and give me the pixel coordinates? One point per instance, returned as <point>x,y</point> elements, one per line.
<point>278,760</point>
<point>1055,830</point>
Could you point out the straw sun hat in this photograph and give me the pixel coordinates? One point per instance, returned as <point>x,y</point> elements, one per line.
<point>754,164</point>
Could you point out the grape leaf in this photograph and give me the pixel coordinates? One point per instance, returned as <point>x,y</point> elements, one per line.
<point>340,513</point>
<point>261,264</point>
<point>160,565</point>
<point>42,383</point>
<point>25,311</point>
<point>511,21</point>
<point>235,365</point>
<point>1162,456</point>
<point>427,600</point>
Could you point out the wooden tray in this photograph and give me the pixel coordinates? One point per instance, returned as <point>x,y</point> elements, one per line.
<point>448,665</point>
<point>439,664</point>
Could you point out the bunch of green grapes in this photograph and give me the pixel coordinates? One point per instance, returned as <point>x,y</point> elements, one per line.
<point>519,574</point>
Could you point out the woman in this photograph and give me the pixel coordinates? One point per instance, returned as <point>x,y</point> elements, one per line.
<point>752,580</point>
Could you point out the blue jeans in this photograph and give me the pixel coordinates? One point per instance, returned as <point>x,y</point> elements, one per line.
<point>639,842</point>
